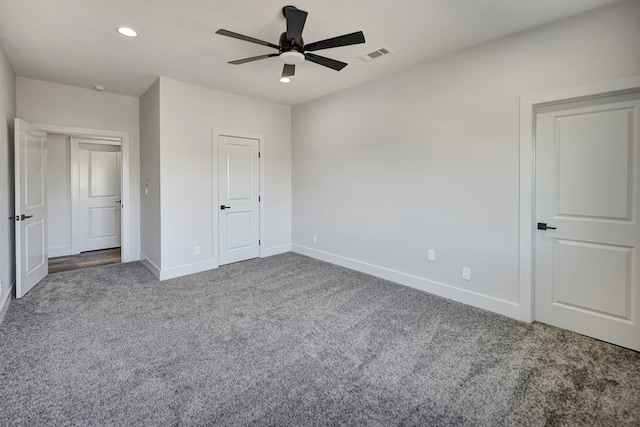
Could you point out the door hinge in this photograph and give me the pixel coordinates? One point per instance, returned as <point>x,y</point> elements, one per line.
<point>258,154</point>
<point>259,243</point>
<point>258,198</point>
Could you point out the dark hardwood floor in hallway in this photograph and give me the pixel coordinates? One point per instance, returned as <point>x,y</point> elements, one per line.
<point>85,259</point>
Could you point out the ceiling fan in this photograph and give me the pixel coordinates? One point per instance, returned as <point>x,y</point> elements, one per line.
<point>291,47</point>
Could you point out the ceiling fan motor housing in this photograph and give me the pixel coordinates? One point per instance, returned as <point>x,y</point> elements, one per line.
<point>290,45</point>
<point>291,52</point>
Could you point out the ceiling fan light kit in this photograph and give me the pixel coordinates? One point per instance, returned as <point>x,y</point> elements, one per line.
<point>291,47</point>
<point>291,57</point>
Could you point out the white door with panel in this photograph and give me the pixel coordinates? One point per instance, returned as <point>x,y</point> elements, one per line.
<point>30,206</point>
<point>239,192</point>
<point>99,171</point>
<point>587,206</point>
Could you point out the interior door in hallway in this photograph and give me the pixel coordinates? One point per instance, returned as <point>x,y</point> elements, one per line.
<point>239,188</point>
<point>30,206</point>
<point>99,171</point>
<point>587,206</point>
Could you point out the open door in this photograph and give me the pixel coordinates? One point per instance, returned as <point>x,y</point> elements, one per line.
<point>31,206</point>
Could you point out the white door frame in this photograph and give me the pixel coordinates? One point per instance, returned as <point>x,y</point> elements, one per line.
<point>528,106</point>
<point>125,213</point>
<point>74,145</point>
<point>215,182</point>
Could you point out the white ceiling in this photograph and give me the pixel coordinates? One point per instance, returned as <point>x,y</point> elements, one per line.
<point>74,41</point>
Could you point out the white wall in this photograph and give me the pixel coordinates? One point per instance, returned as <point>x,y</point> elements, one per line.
<point>428,158</point>
<point>150,213</point>
<point>57,104</point>
<point>7,114</point>
<point>59,195</point>
<point>189,181</point>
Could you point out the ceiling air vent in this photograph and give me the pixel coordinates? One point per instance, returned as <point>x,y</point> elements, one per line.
<point>375,54</point>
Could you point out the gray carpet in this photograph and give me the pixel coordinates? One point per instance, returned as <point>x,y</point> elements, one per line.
<point>289,340</point>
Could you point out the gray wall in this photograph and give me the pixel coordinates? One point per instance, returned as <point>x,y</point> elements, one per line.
<point>150,213</point>
<point>188,179</point>
<point>59,195</point>
<point>428,158</point>
<point>7,114</point>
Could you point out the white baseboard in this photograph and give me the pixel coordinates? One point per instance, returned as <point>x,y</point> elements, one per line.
<point>183,270</point>
<point>59,251</point>
<point>150,266</point>
<point>506,308</point>
<point>5,301</point>
<point>171,273</point>
<point>275,250</point>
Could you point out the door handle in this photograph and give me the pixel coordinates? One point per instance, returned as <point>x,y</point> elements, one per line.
<point>23,217</point>
<point>544,226</point>
<point>223,207</point>
<point>118,201</point>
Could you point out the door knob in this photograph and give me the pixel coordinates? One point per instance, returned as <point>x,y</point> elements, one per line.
<point>223,207</point>
<point>544,226</point>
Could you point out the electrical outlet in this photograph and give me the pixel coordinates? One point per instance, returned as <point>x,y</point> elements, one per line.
<point>315,239</point>
<point>466,273</point>
<point>431,255</point>
<point>196,250</point>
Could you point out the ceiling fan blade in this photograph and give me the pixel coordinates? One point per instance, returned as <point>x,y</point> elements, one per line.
<point>253,58</point>
<point>295,23</point>
<point>246,38</point>
<point>288,70</point>
<point>327,62</point>
<point>345,40</point>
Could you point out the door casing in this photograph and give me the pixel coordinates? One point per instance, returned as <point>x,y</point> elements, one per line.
<point>127,216</point>
<point>528,106</point>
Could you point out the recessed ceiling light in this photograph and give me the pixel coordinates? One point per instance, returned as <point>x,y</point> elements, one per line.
<point>99,87</point>
<point>285,80</point>
<point>126,31</point>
